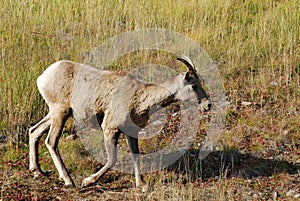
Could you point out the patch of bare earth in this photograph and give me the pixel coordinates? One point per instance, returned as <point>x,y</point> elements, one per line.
<point>222,175</point>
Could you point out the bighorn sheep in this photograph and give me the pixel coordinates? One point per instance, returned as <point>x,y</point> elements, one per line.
<point>120,102</point>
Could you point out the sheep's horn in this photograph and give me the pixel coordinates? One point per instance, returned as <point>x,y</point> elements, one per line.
<point>188,62</point>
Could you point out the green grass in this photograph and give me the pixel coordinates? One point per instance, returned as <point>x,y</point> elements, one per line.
<point>256,44</point>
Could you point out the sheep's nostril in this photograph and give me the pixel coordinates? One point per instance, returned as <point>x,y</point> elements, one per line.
<point>209,106</point>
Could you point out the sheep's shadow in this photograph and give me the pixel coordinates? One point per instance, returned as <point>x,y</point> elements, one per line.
<point>229,164</point>
<point>217,164</point>
<point>220,164</point>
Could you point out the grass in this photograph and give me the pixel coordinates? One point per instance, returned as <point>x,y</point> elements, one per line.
<point>256,44</point>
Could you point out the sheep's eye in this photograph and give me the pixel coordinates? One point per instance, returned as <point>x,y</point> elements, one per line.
<point>194,86</point>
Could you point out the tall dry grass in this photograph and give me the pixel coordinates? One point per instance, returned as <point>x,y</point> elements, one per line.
<point>255,42</point>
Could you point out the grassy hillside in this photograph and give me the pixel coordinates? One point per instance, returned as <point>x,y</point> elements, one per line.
<point>256,44</point>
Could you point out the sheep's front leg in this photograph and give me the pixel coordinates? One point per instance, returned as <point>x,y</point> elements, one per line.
<point>35,134</point>
<point>110,140</point>
<point>57,122</point>
<point>134,149</point>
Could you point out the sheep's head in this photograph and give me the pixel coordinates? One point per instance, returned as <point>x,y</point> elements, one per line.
<point>190,87</point>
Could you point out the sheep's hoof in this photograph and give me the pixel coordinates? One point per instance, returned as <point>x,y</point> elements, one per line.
<point>69,183</point>
<point>37,172</point>
<point>86,182</point>
<point>37,175</point>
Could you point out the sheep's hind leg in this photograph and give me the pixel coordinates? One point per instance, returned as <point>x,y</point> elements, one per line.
<point>35,134</point>
<point>57,122</point>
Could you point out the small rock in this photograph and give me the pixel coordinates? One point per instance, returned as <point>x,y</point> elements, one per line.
<point>285,132</point>
<point>245,103</point>
<point>274,84</point>
<point>175,114</point>
<point>290,193</point>
<point>157,122</point>
<point>297,195</point>
<point>255,196</point>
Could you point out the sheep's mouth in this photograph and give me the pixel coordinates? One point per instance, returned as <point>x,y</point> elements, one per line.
<point>205,105</point>
<point>205,108</point>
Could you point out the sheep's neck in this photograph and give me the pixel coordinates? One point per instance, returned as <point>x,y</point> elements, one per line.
<point>152,97</point>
